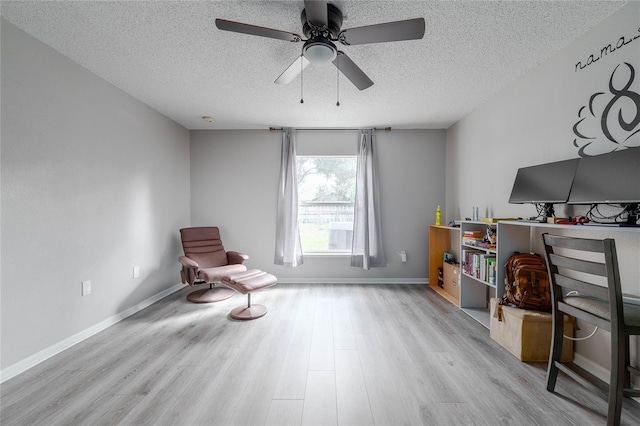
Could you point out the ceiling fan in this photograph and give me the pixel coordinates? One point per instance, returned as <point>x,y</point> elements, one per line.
<point>321,24</point>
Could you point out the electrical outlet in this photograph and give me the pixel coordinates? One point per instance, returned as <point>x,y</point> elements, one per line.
<point>86,288</point>
<point>403,256</point>
<point>136,271</point>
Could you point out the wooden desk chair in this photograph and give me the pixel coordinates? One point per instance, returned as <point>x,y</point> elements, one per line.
<point>575,291</point>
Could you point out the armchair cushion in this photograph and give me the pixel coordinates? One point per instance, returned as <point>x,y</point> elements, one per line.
<point>208,256</point>
<point>248,281</point>
<point>203,245</point>
<point>214,275</point>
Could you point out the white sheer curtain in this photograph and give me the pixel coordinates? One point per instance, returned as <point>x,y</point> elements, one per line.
<point>367,250</point>
<point>288,247</point>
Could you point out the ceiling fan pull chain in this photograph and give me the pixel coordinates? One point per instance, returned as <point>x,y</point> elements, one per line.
<point>338,78</point>
<point>301,80</point>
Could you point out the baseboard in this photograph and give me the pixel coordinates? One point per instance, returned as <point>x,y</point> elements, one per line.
<point>47,353</point>
<point>596,369</point>
<point>415,281</point>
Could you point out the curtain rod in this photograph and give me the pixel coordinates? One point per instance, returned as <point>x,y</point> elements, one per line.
<point>387,129</point>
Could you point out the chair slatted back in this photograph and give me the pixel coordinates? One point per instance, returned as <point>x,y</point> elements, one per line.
<point>569,271</point>
<point>203,245</point>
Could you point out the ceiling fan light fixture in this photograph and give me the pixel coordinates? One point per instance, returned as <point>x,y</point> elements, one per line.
<point>319,51</point>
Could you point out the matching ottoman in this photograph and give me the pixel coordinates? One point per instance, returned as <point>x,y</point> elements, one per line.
<point>247,282</point>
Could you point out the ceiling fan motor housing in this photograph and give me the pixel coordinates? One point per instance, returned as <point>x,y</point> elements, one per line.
<point>334,23</point>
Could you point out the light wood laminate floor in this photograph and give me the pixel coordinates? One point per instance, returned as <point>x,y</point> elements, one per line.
<point>323,355</point>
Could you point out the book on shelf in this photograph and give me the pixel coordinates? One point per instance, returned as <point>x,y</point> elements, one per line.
<point>478,242</point>
<point>473,234</point>
<point>472,238</point>
<point>471,241</point>
<point>487,245</point>
<point>496,219</point>
<point>480,265</point>
<point>492,270</point>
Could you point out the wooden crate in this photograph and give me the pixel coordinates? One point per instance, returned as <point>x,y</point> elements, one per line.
<point>527,334</point>
<point>451,278</point>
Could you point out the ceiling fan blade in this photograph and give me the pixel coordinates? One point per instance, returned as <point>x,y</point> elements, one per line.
<point>352,71</point>
<point>316,13</point>
<point>410,29</point>
<point>238,27</point>
<point>293,71</point>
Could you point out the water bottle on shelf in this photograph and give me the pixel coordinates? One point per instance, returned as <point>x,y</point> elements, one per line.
<point>438,217</point>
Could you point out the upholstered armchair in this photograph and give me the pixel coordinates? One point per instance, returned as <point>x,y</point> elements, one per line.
<point>205,261</point>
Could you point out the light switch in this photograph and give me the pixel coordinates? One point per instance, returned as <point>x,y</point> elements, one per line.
<point>86,288</point>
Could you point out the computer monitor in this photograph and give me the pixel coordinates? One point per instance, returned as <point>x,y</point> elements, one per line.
<point>612,178</point>
<point>547,184</point>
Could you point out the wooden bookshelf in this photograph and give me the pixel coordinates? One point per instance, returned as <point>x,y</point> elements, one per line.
<point>442,239</point>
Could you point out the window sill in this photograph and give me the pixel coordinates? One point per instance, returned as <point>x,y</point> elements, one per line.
<point>327,254</point>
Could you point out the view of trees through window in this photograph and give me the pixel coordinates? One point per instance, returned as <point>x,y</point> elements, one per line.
<point>326,195</point>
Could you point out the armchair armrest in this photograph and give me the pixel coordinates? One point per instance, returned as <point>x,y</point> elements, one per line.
<point>235,257</point>
<point>189,272</point>
<point>188,263</point>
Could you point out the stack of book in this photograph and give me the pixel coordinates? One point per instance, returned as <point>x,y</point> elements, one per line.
<point>487,245</point>
<point>472,238</point>
<point>480,265</point>
<point>496,219</point>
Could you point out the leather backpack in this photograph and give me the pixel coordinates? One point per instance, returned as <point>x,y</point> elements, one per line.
<point>526,283</point>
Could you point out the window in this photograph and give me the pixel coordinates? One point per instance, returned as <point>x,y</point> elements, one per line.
<point>326,194</point>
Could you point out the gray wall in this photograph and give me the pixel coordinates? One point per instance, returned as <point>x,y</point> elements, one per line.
<point>532,122</point>
<point>93,183</point>
<point>234,178</point>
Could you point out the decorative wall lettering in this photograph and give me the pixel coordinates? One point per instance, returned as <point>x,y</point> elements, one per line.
<point>610,48</point>
<point>618,114</point>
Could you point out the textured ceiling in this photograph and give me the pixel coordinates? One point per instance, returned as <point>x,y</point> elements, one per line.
<point>170,55</point>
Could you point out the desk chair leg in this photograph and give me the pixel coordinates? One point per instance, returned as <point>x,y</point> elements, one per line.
<point>618,376</point>
<point>556,349</point>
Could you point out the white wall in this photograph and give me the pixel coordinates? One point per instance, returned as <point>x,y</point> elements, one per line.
<point>93,183</point>
<point>234,179</point>
<point>532,122</point>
